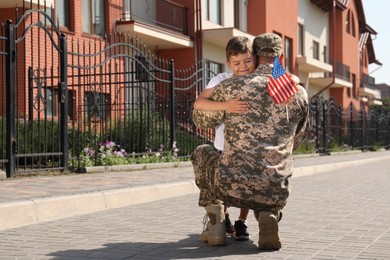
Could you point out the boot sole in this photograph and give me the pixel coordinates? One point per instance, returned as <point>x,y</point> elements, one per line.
<point>215,241</point>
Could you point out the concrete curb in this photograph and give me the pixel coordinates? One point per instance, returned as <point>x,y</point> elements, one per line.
<point>21,213</point>
<point>134,167</point>
<point>314,169</point>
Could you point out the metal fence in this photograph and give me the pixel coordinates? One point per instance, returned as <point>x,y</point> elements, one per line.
<point>334,129</point>
<point>62,96</point>
<point>122,93</point>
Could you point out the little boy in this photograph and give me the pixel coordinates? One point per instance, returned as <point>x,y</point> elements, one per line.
<point>241,62</point>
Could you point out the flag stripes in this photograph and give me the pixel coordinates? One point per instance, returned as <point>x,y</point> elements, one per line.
<point>280,86</point>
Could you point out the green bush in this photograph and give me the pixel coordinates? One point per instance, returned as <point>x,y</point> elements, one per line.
<point>307,147</point>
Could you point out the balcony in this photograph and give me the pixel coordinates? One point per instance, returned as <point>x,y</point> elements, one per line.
<point>310,65</point>
<point>367,87</point>
<point>19,3</point>
<point>220,36</point>
<point>158,23</point>
<point>342,77</point>
<point>327,5</point>
<point>375,102</point>
<point>375,99</point>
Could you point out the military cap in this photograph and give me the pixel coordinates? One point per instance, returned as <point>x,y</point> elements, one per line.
<point>268,44</point>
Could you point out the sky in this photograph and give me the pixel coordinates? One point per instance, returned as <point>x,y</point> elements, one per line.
<point>377,13</point>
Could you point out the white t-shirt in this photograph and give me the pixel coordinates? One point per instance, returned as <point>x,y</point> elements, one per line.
<point>219,129</point>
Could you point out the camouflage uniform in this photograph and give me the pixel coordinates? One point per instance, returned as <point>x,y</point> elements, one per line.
<point>254,168</point>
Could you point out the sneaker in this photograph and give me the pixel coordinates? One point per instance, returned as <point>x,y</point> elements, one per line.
<point>241,234</point>
<point>228,224</point>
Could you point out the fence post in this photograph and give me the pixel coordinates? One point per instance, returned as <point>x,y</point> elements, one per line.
<point>340,114</point>
<point>377,116</point>
<point>324,132</point>
<point>172,101</point>
<point>63,99</point>
<point>351,123</point>
<point>388,131</point>
<point>363,129</point>
<point>317,126</point>
<point>10,83</point>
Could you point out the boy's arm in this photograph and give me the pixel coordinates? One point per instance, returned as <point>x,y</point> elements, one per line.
<point>203,102</point>
<point>205,119</point>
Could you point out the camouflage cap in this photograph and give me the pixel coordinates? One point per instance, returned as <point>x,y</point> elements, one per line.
<point>267,44</point>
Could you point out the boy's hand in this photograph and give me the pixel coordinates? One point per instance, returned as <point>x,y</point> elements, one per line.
<point>235,105</point>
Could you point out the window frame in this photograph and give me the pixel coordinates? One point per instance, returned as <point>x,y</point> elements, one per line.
<point>324,54</point>
<point>91,17</point>
<point>209,8</point>
<point>316,50</point>
<point>89,102</point>
<point>66,13</point>
<point>288,50</point>
<point>301,39</point>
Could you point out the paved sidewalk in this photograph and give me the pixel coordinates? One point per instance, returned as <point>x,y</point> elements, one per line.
<point>32,200</point>
<point>341,212</point>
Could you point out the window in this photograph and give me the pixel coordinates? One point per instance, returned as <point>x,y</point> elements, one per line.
<point>316,50</point>
<point>353,25</point>
<point>62,12</point>
<point>51,102</point>
<point>288,53</point>
<point>301,39</point>
<point>71,104</point>
<point>350,24</point>
<point>213,11</point>
<point>127,10</point>
<point>325,54</point>
<point>96,105</point>
<point>212,69</point>
<point>142,69</point>
<point>93,17</point>
<point>354,90</point>
<point>347,25</point>
<point>240,15</point>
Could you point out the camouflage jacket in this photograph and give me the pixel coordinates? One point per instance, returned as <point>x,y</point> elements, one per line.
<point>254,168</point>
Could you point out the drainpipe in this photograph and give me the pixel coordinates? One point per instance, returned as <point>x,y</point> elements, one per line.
<point>198,43</point>
<point>198,36</point>
<point>333,53</point>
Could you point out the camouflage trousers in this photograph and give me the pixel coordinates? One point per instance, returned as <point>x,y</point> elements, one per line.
<point>204,160</point>
<point>215,189</point>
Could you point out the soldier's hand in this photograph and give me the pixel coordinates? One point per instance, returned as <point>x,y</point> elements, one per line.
<point>235,105</point>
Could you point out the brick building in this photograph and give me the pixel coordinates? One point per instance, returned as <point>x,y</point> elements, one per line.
<point>327,42</point>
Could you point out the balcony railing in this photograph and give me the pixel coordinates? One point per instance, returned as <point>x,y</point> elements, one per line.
<point>341,70</point>
<point>368,82</point>
<point>160,13</point>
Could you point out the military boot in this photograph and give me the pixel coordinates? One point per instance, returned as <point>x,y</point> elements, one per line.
<point>268,234</point>
<point>215,232</point>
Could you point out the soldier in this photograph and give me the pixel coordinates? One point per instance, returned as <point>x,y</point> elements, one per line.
<point>254,168</point>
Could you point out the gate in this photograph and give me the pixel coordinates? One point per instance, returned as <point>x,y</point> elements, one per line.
<point>127,99</point>
<point>36,94</point>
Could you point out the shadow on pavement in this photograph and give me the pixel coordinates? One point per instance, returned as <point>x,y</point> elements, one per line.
<point>190,247</point>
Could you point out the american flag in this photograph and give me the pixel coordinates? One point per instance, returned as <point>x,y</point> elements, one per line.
<point>280,85</point>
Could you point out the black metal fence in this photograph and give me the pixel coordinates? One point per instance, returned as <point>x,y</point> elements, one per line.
<point>334,129</point>
<point>62,98</point>
<point>123,94</point>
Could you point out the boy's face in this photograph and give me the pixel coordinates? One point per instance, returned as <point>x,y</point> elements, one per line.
<point>241,64</point>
